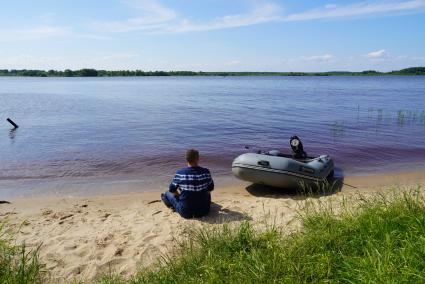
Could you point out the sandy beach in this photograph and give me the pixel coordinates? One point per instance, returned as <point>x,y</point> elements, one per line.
<point>84,237</point>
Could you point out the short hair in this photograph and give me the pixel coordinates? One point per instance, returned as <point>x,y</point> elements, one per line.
<point>192,155</point>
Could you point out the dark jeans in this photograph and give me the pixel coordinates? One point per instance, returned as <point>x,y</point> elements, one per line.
<point>172,201</point>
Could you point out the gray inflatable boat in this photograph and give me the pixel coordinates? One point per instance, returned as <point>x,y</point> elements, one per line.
<point>281,170</point>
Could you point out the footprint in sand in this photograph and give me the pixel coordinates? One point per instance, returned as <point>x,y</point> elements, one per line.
<point>24,233</point>
<point>149,237</point>
<point>82,205</point>
<point>111,263</point>
<point>105,216</point>
<point>54,260</point>
<point>70,247</point>
<point>81,251</point>
<point>104,241</point>
<point>77,269</point>
<point>47,212</point>
<point>291,222</point>
<point>119,251</point>
<point>8,213</point>
<point>63,218</point>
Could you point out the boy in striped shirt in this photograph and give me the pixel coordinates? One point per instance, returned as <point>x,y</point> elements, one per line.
<point>189,191</point>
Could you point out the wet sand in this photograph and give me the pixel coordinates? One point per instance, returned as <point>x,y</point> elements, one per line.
<point>83,237</point>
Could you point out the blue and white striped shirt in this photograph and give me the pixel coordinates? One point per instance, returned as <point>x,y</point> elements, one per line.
<point>195,184</point>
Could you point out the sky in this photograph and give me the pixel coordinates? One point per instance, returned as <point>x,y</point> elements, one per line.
<point>213,35</point>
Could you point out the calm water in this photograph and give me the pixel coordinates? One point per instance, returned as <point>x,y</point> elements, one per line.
<point>120,131</point>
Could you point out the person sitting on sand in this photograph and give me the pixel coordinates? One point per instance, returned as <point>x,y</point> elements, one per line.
<point>189,191</point>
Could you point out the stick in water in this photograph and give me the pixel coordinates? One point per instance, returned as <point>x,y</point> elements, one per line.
<point>13,123</point>
<point>349,185</point>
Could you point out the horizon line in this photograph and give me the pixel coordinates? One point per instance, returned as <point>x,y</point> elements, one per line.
<point>200,71</point>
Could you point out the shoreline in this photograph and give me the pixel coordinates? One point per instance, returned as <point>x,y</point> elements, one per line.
<point>83,237</point>
<point>123,186</point>
<point>91,72</point>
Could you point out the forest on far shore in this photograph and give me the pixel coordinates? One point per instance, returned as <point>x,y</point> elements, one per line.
<point>128,73</point>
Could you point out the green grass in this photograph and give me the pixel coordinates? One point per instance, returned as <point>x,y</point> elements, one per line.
<point>381,240</point>
<point>17,264</point>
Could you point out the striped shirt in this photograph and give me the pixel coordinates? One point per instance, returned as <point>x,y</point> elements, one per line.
<point>195,184</point>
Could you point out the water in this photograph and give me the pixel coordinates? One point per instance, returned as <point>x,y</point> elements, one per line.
<point>121,133</point>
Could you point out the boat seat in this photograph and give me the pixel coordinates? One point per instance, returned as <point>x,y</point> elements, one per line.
<point>277,153</point>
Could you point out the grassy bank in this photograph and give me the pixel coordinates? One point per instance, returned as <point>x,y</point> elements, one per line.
<point>17,264</point>
<point>382,240</point>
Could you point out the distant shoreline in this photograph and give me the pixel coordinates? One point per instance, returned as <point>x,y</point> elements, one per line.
<point>139,73</point>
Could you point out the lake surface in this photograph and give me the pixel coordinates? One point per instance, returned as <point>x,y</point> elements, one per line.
<point>120,131</point>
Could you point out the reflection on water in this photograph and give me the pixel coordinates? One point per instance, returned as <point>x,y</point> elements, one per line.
<point>337,129</point>
<point>12,133</point>
<point>79,129</point>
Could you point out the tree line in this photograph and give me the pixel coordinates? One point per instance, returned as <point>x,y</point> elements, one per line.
<point>135,73</point>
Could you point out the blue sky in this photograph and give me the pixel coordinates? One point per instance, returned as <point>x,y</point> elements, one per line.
<point>213,35</point>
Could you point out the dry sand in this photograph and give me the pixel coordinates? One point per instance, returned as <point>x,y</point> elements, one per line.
<point>81,238</point>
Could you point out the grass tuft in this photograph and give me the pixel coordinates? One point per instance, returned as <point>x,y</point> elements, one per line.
<point>17,264</point>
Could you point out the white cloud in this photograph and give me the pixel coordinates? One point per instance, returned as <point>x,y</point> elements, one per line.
<point>233,62</point>
<point>357,62</point>
<point>384,55</point>
<point>366,8</point>
<point>261,14</point>
<point>48,18</point>
<point>156,18</point>
<point>105,61</point>
<point>153,15</point>
<point>377,54</point>
<point>119,56</point>
<point>35,33</point>
<point>419,58</point>
<point>318,58</point>
<point>131,60</point>
<point>47,31</point>
<point>28,61</point>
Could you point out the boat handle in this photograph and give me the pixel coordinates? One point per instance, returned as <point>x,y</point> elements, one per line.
<point>307,170</point>
<point>264,163</point>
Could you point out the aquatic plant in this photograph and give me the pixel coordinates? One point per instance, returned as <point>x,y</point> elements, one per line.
<point>422,117</point>
<point>370,112</point>
<point>358,112</point>
<point>400,117</point>
<point>410,117</point>
<point>337,129</point>
<point>380,114</point>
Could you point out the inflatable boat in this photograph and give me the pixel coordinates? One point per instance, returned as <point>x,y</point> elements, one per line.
<point>276,169</point>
